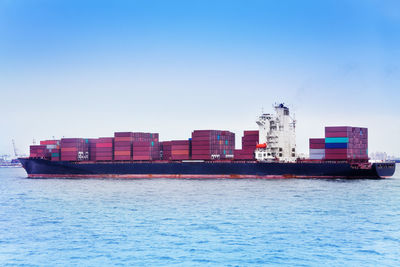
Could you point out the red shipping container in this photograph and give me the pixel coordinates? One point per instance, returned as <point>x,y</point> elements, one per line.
<point>180,147</point>
<point>317,141</point>
<point>180,157</point>
<point>105,140</point>
<point>69,154</point>
<point>201,152</point>
<point>104,158</point>
<point>69,158</point>
<point>201,142</point>
<point>122,143</point>
<point>71,140</point>
<point>250,132</point>
<point>201,138</point>
<point>336,150</point>
<point>123,134</point>
<point>317,146</point>
<point>123,139</point>
<point>104,149</point>
<point>65,145</point>
<point>200,148</point>
<point>141,143</point>
<point>104,144</point>
<point>148,157</point>
<point>201,157</point>
<point>100,154</point>
<point>338,129</point>
<point>122,148</point>
<point>336,157</point>
<point>180,152</point>
<point>122,157</point>
<point>336,134</point>
<point>122,153</point>
<point>142,148</point>
<point>180,142</point>
<point>50,142</point>
<point>69,149</point>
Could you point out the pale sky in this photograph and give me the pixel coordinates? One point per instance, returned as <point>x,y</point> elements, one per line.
<point>75,69</point>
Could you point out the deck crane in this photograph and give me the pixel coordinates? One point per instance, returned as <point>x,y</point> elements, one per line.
<point>15,148</point>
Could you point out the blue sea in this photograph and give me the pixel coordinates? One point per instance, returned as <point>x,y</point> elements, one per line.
<point>171,222</point>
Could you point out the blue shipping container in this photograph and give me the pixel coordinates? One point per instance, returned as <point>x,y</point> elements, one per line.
<point>336,145</point>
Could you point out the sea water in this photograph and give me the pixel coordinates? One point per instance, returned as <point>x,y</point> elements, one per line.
<point>167,222</point>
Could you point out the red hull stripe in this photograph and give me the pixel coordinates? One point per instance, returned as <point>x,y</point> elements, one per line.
<point>178,176</point>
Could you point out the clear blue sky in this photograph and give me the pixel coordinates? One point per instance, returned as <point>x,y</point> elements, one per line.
<point>89,68</point>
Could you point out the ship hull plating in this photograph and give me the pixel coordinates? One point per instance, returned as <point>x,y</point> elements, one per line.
<point>39,168</point>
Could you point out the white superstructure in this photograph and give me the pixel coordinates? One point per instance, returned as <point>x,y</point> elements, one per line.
<point>277,136</point>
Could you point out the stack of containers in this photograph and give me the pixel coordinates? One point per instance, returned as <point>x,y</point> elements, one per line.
<point>104,149</point>
<point>146,150</point>
<point>249,142</point>
<point>145,146</point>
<point>74,149</point>
<point>38,151</point>
<point>358,144</point>
<point>53,149</point>
<point>212,144</point>
<point>317,148</point>
<point>166,150</point>
<point>123,145</point>
<point>92,149</point>
<point>180,150</point>
<point>346,143</point>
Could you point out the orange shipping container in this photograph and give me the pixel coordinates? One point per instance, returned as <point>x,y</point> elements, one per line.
<point>122,153</point>
<point>180,152</point>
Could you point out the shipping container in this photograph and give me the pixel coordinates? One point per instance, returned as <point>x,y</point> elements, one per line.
<point>336,140</point>
<point>317,141</point>
<point>207,144</point>
<point>336,145</point>
<point>338,129</point>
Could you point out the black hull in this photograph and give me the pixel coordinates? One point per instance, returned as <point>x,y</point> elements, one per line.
<point>45,168</point>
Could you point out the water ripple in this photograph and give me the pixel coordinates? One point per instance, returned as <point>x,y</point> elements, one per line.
<point>161,222</point>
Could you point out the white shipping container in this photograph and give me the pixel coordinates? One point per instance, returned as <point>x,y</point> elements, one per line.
<point>317,156</point>
<point>317,151</point>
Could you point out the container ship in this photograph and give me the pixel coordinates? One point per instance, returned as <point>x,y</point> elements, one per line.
<point>267,153</point>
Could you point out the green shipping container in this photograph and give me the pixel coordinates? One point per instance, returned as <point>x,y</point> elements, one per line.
<point>55,155</point>
<point>336,140</point>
